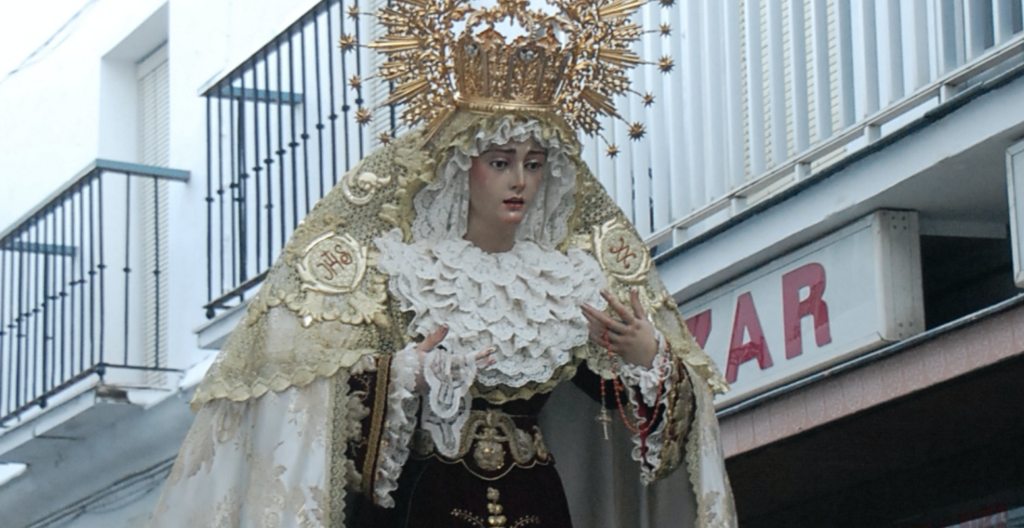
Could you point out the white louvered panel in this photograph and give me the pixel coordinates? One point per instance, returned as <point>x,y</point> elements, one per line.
<point>799,101</point>
<point>834,39</point>
<point>869,59</point>
<point>374,91</point>
<point>154,149</point>
<point>715,117</point>
<point>1002,19</point>
<point>623,163</point>
<point>894,41</point>
<point>659,125</point>
<point>693,97</point>
<point>918,56</point>
<point>626,163</point>
<point>348,131</point>
<point>361,57</point>
<point>755,100</point>
<point>951,41</point>
<point>606,166</point>
<point>977,27</point>
<point>820,69</point>
<point>809,71</point>
<point>829,99</point>
<point>744,64</point>
<point>766,92</point>
<point>787,79</point>
<point>733,77</point>
<point>679,151</point>
<point>844,58</point>
<point>641,149</point>
<point>776,77</point>
<point>937,50</point>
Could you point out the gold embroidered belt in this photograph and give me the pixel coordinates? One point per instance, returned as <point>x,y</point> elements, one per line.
<point>497,441</point>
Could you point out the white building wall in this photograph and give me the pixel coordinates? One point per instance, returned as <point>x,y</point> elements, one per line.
<point>79,102</point>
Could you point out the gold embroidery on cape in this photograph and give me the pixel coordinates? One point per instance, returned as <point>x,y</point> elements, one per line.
<point>347,412</point>
<point>678,416</point>
<point>489,431</point>
<point>333,263</point>
<point>366,183</point>
<point>489,435</point>
<point>495,514</point>
<point>376,433</point>
<point>620,252</point>
<point>291,336</point>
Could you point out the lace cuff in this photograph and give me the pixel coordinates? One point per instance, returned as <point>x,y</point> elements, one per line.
<point>649,380</point>
<point>449,377</point>
<point>647,447</point>
<point>400,424</point>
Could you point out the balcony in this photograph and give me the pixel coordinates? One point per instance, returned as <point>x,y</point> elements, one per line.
<point>766,98</point>
<point>281,130</point>
<point>767,94</point>
<point>82,299</point>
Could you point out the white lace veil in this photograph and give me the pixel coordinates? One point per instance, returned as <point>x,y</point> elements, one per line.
<point>442,208</point>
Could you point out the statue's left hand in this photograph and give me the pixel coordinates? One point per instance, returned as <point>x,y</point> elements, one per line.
<point>632,336</point>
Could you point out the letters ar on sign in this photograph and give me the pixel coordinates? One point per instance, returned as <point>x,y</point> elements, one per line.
<point>850,292</point>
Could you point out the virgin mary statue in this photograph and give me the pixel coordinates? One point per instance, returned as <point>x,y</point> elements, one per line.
<point>465,308</point>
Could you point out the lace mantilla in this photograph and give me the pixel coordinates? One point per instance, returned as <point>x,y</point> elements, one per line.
<point>442,208</point>
<point>525,302</point>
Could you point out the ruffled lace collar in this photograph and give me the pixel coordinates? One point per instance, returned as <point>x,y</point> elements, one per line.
<point>526,302</point>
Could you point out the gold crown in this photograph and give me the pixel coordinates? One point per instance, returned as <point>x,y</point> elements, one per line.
<point>578,78</point>
<point>490,74</point>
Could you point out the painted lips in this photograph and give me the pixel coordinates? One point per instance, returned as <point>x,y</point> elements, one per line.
<point>515,203</point>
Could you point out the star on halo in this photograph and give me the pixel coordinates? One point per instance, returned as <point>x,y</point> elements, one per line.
<point>665,64</point>
<point>346,42</point>
<point>637,131</point>
<point>363,116</point>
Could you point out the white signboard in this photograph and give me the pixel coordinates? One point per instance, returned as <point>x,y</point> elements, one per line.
<point>1015,192</point>
<point>852,291</point>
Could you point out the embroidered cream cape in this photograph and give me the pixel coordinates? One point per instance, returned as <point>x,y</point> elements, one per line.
<point>287,425</point>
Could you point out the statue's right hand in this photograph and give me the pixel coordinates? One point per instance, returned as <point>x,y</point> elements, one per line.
<point>431,341</point>
<point>483,358</point>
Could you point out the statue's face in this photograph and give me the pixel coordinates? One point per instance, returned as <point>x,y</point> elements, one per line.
<point>503,182</point>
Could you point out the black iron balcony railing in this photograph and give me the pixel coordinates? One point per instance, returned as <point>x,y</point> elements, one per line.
<point>74,276</point>
<point>281,130</point>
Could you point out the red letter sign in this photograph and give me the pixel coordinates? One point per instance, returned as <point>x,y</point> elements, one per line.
<point>700,327</point>
<point>746,321</point>
<point>793,309</point>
